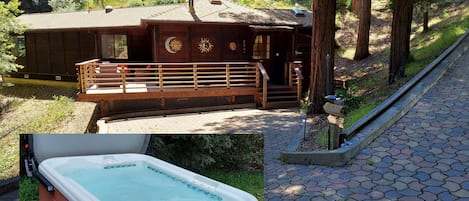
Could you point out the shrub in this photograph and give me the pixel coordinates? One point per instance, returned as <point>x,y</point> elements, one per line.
<point>351,101</point>
<point>202,152</point>
<point>134,3</point>
<point>162,2</point>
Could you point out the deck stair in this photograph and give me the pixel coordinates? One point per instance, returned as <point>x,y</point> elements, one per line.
<point>280,96</point>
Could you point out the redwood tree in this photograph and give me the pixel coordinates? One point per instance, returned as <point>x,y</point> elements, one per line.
<point>363,40</point>
<point>355,6</point>
<point>322,69</point>
<point>400,38</point>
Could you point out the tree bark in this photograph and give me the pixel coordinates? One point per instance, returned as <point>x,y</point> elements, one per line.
<point>425,20</point>
<point>322,69</point>
<point>400,38</point>
<point>363,40</point>
<point>355,7</point>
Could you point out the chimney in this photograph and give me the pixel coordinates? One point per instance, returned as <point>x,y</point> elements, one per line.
<point>191,7</point>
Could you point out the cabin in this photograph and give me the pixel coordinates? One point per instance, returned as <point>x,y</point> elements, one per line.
<point>202,48</point>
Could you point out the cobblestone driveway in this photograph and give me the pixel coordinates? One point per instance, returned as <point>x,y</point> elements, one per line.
<point>423,156</point>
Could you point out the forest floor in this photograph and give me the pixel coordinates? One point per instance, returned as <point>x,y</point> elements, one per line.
<point>367,79</point>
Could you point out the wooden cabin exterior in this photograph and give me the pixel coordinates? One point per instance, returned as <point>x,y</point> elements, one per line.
<point>55,42</point>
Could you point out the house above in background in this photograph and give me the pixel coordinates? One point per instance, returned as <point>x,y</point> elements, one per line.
<point>168,37</point>
<point>54,42</point>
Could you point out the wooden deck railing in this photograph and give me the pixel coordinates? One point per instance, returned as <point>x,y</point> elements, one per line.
<point>104,81</point>
<point>295,78</point>
<point>265,79</point>
<point>98,77</point>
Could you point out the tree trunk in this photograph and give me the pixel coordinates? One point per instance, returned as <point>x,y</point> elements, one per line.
<point>355,8</point>
<point>364,13</point>
<point>400,38</point>
<point>322,69</point>
<point>425,20</point>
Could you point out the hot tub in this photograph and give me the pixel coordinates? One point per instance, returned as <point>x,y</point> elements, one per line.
<point>124,176</point>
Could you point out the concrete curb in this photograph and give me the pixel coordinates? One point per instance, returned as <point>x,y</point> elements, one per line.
<point>376,126</point>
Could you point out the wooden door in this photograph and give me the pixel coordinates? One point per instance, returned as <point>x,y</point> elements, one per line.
<point>281,46</point>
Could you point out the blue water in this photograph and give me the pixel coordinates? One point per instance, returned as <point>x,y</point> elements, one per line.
<point>136,182</point>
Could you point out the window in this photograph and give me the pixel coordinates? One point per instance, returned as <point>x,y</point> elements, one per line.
<point>20,50</point>
<point>114,46</point>
<point>261,49</point>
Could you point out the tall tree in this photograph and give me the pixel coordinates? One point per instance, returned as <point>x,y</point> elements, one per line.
<point>355,4</point>
<point>363,40</point>
<point>400,38</point>
<point>322,56</point>
<point>422,7</point>
<point>9,29</point>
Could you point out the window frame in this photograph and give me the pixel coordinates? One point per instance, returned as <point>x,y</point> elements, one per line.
<point>114,46</point>
<point>261,47</point>
<point>20,46</point>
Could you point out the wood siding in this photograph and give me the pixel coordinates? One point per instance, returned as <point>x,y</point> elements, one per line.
<point>217,37</point>
<point>55,53</point>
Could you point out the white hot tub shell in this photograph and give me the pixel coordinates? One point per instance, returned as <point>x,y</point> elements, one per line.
<point>53,165</point>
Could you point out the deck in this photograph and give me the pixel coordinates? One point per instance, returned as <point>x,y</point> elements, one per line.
<point>103,81</point>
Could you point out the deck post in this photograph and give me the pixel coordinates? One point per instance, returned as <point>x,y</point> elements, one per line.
<point>163,103</point>
<point>82,77</point>
<point>290,74</point>
<point>103,107</point>
<point>258,80</point>
<point>298,88</point>
<point>122,68</point>
<point>160,76</point>
<point>228,76</point>
<point>194,67</point>
<point>264,93</point>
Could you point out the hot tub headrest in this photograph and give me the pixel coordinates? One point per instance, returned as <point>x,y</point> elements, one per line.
<point>57,145</point>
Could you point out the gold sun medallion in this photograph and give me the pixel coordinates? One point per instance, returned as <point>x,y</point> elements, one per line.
<point>205,46</point>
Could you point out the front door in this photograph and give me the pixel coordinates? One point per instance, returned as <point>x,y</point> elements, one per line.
<point>272,48</point>
<point>281,43</point>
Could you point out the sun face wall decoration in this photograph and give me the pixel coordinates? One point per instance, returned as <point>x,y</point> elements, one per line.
<point>205,46</point>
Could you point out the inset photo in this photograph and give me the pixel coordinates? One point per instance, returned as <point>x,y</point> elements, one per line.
<point>141,167</point>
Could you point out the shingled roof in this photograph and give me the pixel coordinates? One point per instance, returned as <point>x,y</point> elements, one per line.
<point>227,12</point>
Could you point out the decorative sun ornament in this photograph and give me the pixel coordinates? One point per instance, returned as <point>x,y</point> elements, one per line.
<point>172,45</point>
<point>233,46</point>
<point>205,46</point>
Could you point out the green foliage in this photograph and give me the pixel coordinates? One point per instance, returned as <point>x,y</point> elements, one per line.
<point>9,29</point>
<point>162,2</point>
<point>134,3</point>
<point>443,38</point>
<point>346,3</point>
<point>68,5</point>
<point>62,5</point>
<point>351,100</point>
<point>29,190</point>
<point>200,152</point>
<point>249,181</point>
<point>355,115</point>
